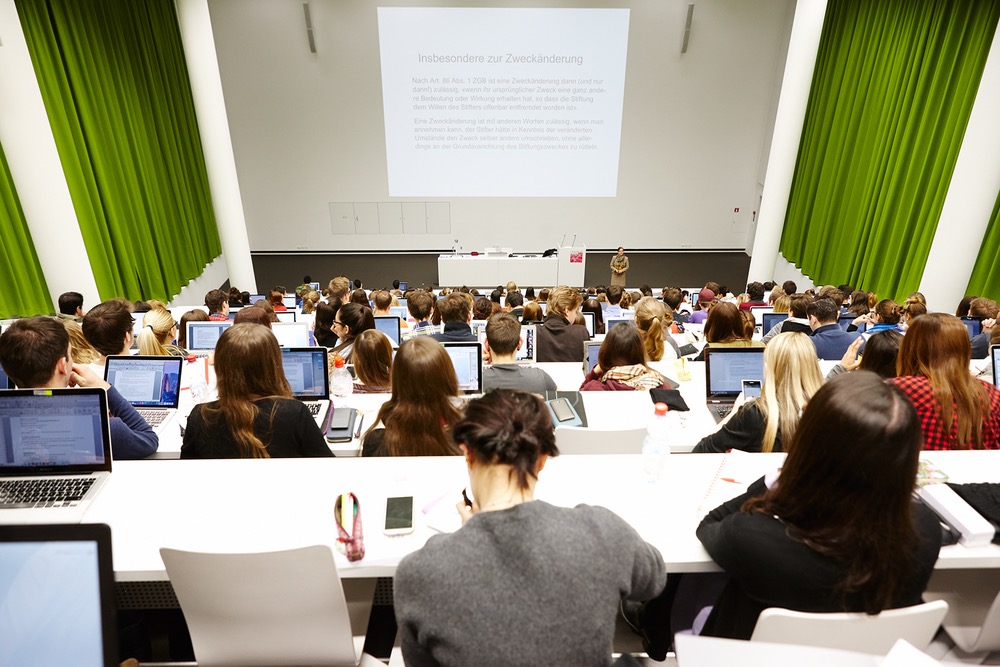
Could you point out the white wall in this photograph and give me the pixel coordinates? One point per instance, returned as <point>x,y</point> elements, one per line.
<point>307,129</point>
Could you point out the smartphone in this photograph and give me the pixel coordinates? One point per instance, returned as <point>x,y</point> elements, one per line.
<point>399,515</point>
<point>751,389</point>
<point>562,410</point>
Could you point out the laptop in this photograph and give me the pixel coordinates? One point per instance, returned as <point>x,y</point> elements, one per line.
<point>291,334</point>
<point>612,321</point>
<point>399,311</point>
<point>55,453</point>
<point>772,319</point>
<point>478,329</point>
<point>725,370</point>
<point>591,348</point>
<point>590,319</point>
<point>973,324</point>
<point>151,384</point>
<point>403,285</point>
<point>307,372</point>
<point>467,359</point>
<point>389,325</point>
<point>289,301</point>
<point>995,357</point>
<point>254,298</point>
<point>845,322</point>
<point>285,315</point>
<point>202,336</point>
<point>758,313</point>
<point>5,381</point>
<point>527,354</point>
<point>59,582</point>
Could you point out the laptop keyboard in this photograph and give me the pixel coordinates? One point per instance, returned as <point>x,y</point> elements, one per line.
<point>721,409</point>
<point>153,417</point>
<point>313,408</point>
<point>28,493</point>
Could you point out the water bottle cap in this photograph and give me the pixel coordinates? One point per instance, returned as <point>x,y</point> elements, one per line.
<point>338,361</point>
<point>661,409</point>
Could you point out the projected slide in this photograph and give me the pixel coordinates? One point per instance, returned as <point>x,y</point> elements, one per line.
<point>502,102</point>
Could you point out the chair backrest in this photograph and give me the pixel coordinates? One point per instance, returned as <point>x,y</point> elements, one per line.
<point>583,440</point>
<point>853,631</point>
<point>277,608</point>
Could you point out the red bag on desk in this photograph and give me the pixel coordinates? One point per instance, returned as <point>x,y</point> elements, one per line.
<point>350,544</point>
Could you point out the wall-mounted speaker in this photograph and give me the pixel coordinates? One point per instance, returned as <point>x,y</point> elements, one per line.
<point>687,28</point>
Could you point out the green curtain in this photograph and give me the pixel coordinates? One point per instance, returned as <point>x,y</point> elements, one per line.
<point>25,292</point>
<point>985,279</point>
<point>894,85</point>
<point>116,90</point>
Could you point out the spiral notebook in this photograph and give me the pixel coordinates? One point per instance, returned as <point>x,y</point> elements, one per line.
<point>731,479</point>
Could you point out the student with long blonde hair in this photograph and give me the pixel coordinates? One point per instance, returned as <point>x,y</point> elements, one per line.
<point>956,410</point>
<point>791,377</point>
<point>256,416</point>
<point>654,322</point>
<point>83,352</point>
<point>158,333</point>
<point>417,417</point>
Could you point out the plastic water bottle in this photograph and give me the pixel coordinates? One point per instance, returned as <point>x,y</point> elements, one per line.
<point>656,446</point>
<point>341,383</point>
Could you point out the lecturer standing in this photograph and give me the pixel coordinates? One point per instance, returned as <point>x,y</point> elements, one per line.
<point>619,267</point>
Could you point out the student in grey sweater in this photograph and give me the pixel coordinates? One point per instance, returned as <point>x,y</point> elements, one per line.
<point>522,582</point>
<point>503,340</point>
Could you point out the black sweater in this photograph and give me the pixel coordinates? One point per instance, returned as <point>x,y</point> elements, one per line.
<point>292,433</point>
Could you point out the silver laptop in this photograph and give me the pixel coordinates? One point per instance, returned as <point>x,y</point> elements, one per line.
<point>390,326</point>
<point>285,315</point>
<point>202,336</point>
<point>59,582</point>
<point>613,321</point>
<point>467,359</point>
<point>307,372</point>
<point>528,353</point>
<point>150,383</point>
<point>591,348</point>
<point>725,370</point>
<point>55,453</point>
<point>291,334</point>
<point>590,319</point>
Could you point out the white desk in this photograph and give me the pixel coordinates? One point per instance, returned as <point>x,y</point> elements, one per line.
<point>482,271</point>
<point>262,505</point>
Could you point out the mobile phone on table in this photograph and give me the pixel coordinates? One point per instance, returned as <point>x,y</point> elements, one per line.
<point>751,389</point>
<point>562,410</point>
<point>398,515</point>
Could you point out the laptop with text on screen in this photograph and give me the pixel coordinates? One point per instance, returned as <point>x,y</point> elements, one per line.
<point>202,336</point>
<point>59,580</point>
<point>291,334</point>
<point>307,372</point>
<point>55,453</point>
<point>150,383</point>
<point>390,326</point>
<point>467,359</point>
<point>725,370</point>
<point>527,353</point>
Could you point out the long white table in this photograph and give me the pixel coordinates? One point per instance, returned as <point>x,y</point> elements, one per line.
<point>266,505</point>
<point>483,271</point>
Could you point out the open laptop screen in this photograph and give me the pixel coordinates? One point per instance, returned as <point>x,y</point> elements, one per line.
<point>389,325</point>
<point>147,382</point>
<point>726,368</point>
<point>527,352</point>
<point>590,319</point>
<point>467,359</point>
<point>995,356</point>
<point>59,429</point>
<point>291,334</point>
<point>974,325</point>
<point>204,335</point>
<point>846,321</point>
<point>306,372</point>
<point>58,582</point>
<point>5,382</point>
<point>771,319</point>
<point>591,349</point>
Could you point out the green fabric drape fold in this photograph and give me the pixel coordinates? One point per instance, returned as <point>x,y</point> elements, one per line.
<point>25,291</point>
<point>116,91</point>
<point>894,85</point>
<point>985,278</point>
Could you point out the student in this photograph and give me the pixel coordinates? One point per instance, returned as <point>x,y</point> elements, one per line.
<point>503,340</point>
<point>326,315</point>
<point>880,357</point>
<point>791,377</point>
<point>532,313</point>
<point>706,300</point>
<point>83,352</point>
<point>885,315</point>
<point>838,532</point>
<point>830,340</point>
<point>674,298</point>
<point>108,327</point>
<point>987,310</point>
<point>360,297</point>
<point>195,315</point>
<point>253,315</point>
<point>158,333</point>
<point>514,304</point>
<point>350,320</point>
<point>217,303</point>
<point>557,338</point>
<point>456,313</point>
<point>420,304</point>
<point>523,582</point>
<point>797,320</point>
<point>621,364</point>
<point>36,353</point>
<point>372,359</point>
<point>71,306</point>
<point>654,323</point>
<point>416,418</point>
<point>277,300</point>
<point>755,292</point>
<point>725,327</point>
<point>933,367</point>
<point>614,296</point>
<point>256,416</point>
<point>482,309</point>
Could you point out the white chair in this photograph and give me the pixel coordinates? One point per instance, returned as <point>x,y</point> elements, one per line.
<point>582,440</point>
<point>852,631</point>
<point>278,608</point>
<point>973,620</point>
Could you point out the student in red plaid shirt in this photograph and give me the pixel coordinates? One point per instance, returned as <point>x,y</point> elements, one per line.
<point>956,410</point>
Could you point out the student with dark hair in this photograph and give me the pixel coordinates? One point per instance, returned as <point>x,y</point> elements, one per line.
<point>553,576</point>
<point>755,291</point>
<point>482,309</point>
<point>235,300</point>
<point>830,340</point>
<point>963,306</point>
<point>986,310</point>
<point>529,294</point>
<point>503,340</point>
<point>456,313</point>
<point>217,303</point>
<point>789,287</point>
<point>725,327</point>
<point>614,296</point>
<point>559,339</point>
<point>515,304</point>
<point>887,314</point>
<point>673,298</point>
<point>326,315</point>
<point>71,306</point>
<point>532,313</point>
<point>350,320</point>
<point>797,320</point>
<point>372,359</point>
<point>255,416</point>
<point>621,364</point>
<point>253,315</point>
<point>956,410</point>
<point>416,418</point>
<point>36,353</point>
<point>419,304</point>
<point>880,357</point>
<point>704,302</point>
<point>360,297</point>
<point>194,315</point>
<point>591,305</point>
<point>108,327</point>
<point>838,532</point>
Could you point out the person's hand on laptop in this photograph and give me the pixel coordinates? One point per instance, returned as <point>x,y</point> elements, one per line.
<point>84,376</point>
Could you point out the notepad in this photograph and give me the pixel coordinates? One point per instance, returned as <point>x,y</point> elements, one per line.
<point>731,479</point>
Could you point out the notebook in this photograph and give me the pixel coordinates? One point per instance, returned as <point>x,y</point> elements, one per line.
<point>291,334</point>
<point>725,370</point>
<point>389,325</point>
<point>59,580</point>
<point>150,384</point>
<point>468,361</point>
<point>202,336</point>
<point>307,372</point>
<point>771,319</point>
<point>590,319</point>
<point>55,453</point>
